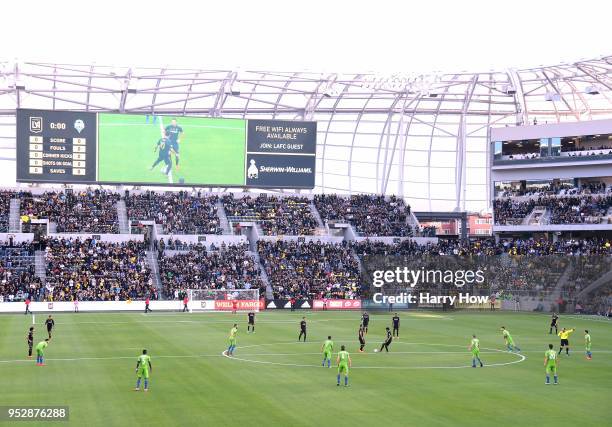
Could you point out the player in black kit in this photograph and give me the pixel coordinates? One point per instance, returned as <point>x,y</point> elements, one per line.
<point>362,342</point>
<point>396,321</point>
<point>163,148</point>
<point>49,323</point>
<point>174,132</point>
<point>388,340</point>
<point>553,323</point>
<point>365,321</point>
<point>30,341</point>
<point>251,324</point>
<point>302,329</point>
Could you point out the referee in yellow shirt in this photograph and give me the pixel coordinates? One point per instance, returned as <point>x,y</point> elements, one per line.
<point>564,335</point>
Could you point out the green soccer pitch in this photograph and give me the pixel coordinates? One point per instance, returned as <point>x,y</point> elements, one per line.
<point>425,380</point>
<point>211,150</point>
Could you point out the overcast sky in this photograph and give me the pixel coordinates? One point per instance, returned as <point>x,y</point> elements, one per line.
<point>326,35</point>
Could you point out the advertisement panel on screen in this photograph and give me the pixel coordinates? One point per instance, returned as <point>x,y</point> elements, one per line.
<point>141,149</point>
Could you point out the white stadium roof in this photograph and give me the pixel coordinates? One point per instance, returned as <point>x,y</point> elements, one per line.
<point>420,136</point>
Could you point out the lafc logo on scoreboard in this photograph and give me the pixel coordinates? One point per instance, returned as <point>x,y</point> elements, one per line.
<point>36,124</point>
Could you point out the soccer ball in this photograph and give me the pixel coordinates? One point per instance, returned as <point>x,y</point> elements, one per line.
<point>375,350</point>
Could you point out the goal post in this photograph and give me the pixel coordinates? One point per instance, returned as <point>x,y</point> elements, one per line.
<point>223,300</point>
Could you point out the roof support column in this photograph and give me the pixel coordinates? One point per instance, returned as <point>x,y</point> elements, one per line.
<point>461,149</point>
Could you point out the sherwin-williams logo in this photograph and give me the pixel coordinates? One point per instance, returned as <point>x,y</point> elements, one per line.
<point>252,171</point>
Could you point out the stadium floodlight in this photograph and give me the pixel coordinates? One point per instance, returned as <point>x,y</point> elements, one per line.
<point>508,89</point>
<point>235,88</point>
<point>592,90</point>
<point>330,91</point>
<point>552,96</point>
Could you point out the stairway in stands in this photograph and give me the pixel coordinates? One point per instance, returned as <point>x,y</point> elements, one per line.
<point>316,214</point>
<point>40,266</point>
<point>14,216</point>
<point>223,221</point>
<point>602,280</point>
<point>535,217</point>
<point>263,275</point>
<point>563,280</point>
<point>413,222</point>
<point>124,223</point>
<point>154,266</point>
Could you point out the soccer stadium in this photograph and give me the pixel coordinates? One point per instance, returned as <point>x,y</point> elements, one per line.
<point>187,245</point>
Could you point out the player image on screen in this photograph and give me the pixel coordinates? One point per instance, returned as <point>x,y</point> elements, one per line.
<point>213,154</point>
<point>163,155</point>
<point>173,132</point>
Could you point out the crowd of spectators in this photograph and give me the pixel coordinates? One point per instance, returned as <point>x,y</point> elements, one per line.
<point>488,247</point>
<point>588,151</point>
<point>86,211</point>
<point>17,278</point>
<point>563,189</point>
<point>92,270</point>
<point>511,212</point>
<point>5,207</point>
<point>589,208</point>
<point>310,270</point>
<point>177,212</point>
<point>225,267</point>
<point>521,156</point>
<point>276,215</point>
<point>371,215</point>
<point>598,303</point>
<point>515,264</point>
<point>585,270</point>
<point>89,270</point>
<point>576,210</point>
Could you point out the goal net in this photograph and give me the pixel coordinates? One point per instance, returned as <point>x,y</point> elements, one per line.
<point>223,299</point>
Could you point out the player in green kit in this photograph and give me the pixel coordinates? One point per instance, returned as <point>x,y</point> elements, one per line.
<point>344,363</point>
<point>475,349</point>
<point>587,344</point>
<point>327,348</point>
<point>232,340</point>
<point>40,352</point>
<point>143,367</point>
<point>550,362</point>
<point>508,340</point>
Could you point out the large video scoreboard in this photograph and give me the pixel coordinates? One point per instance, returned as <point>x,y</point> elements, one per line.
<point>106,148</point>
